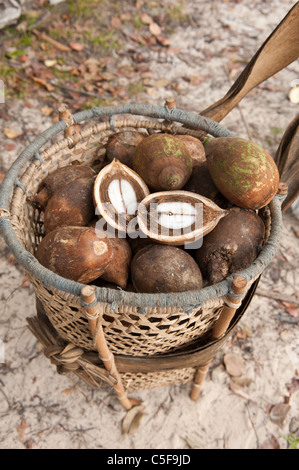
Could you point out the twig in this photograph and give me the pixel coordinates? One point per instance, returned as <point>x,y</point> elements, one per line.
<point>45,37</point>
<point>238,106</point>
<point>277,296</point>
<point>287,319</point>
<point>45,19</point>
<point>73,90</point>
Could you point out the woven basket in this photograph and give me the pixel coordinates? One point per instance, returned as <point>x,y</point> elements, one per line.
<point>136,372</point>
<point>142,325</point>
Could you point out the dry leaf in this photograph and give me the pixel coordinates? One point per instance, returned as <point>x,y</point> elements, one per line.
<point>131,421</point>
<point>279,412</point>
<point>92,66</point>
<point>163,41</point>
<point>46,110</point>
<point>270,443</point>
<point>43,83</point>
<point>9,147</point>
<point>115,22</point>
<point>196,80</point>
<point>21,429</point>
<point>76,46</point>
<point>293,386</point>
<point>11,133</point>
<point>278,50</point>
<point>238,390</point>
<point>50,62</point>
<point>162,82</point>
<point>155,29</point>
<point>292,309</point>
<point>24,59</point>
<point>234,364</point>
<point>66,391</point>
<point>146,19</point>
<point>191,443</point>
<point>25,281</point>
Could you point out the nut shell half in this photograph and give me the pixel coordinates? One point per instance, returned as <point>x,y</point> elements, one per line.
<point>117,192</point>
<point>177,217</point>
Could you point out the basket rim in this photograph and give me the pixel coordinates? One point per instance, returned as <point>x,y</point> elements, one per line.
<point>186,300</point>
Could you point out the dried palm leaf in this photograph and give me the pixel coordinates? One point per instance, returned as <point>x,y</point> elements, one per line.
<point>287,160</point>
<point>279,50</point>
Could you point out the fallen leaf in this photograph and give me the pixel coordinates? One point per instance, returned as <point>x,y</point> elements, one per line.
<point>270,443</point>
<point>234,364</point>
<point>66,391</point>
<point>163,41</point>
<point>25,281</point>
<point>9,147</point>
<point>11,133</point>
<point>154,29</point>
<point>24,59</point>
<point>153,93</point>
<point>192,444</point>
<point>21,429</point>
<point>293,386</point>
<point>196,80</point>
<point>76,46</point>
<point>92,66</point>
<point>131,421</point>
<point>46,110</point>
<point>2,177</point>
<point>115,22</point>
<point>146,19</point>
<point>238,390</point>
<point>294,425</point>
<point>136,37</point>
<point>162,82</point>
<point>50,62</point>
<point>43,83</point>
<point>279,412</point>
<point>292,309</point>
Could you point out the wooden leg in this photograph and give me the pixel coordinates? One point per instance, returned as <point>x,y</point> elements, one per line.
<point>228,311</point>
<point>94,315</point>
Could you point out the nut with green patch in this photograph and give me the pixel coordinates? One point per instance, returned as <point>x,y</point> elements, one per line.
<point>163,162</point>
<point>242,171</point>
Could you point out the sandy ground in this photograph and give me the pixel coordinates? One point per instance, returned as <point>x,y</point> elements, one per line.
<point>40,409</point>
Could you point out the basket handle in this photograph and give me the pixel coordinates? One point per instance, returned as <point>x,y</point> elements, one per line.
<point>232,302</point>
<point>94,314</point>
<point>70,130</point>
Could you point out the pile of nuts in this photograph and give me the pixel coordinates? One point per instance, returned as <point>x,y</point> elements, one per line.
<point>166,213</point>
